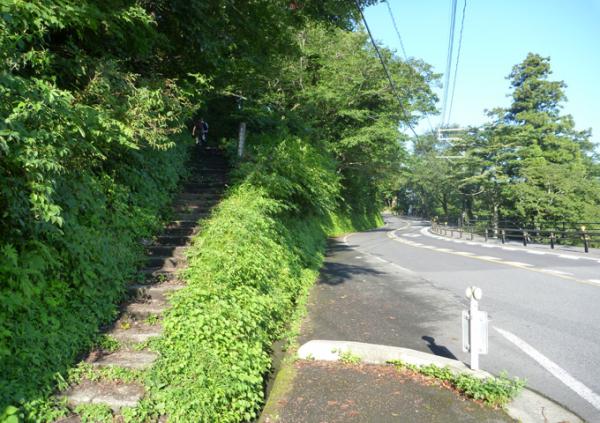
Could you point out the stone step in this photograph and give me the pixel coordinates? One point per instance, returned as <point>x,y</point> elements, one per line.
<point>196,184</point>
<point>190,216</point>
<point>210,170</point>
<point>138,360</point>
<point>180,224</point>
<point>190,207</point>
<point>154,292</point>
<point>187,196</point>
<point>211,180</point>
<point>180,231</point>
<point>173,240</point>
<point>166,263</point>
<point>114,394</point>
<point>157,274</point>
<point>141,311</point>
<point>136,333</point>
<point>167,250</point>
<point>69,419</point>
<point>207,202</point>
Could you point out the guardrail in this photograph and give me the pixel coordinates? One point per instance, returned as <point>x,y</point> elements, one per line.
<point>567,234</point>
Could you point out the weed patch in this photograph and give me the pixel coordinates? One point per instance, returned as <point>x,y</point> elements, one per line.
<point>494,391</point>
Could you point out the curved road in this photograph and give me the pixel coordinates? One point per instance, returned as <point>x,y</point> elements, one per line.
<point>544,306</point>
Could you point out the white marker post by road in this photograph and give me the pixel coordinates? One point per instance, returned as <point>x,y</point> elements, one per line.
<point>474,327</point>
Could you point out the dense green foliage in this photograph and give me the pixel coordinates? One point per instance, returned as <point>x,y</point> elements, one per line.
<point>528,165</point>
<point>246,271</point>
<point>89,153</point>
<point>95,96</point>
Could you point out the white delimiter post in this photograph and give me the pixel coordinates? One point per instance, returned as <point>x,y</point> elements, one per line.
<point>474,330</point>
<point>242,139</point>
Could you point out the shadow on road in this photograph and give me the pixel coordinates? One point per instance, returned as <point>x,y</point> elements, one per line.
<point>439,350</point>
<point>338,273</point>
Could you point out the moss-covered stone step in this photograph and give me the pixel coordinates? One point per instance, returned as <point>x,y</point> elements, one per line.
<point>166,250</point>
<point>127,359</point>
<point>141,311</point>
<point>153,292</point>
<point>130,332</point>
<point>116,395</point>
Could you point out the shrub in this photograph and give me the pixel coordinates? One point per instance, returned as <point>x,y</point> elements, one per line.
<point>246,271</point>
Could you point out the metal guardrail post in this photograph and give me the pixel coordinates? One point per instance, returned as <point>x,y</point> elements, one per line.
<point>586,240</point>
<point>503,236</point>
<point>552,240</point>
<point>486,234</point>
<point>525,236</point>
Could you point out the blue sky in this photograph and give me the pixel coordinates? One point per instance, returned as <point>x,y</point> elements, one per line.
<point>497,35</point>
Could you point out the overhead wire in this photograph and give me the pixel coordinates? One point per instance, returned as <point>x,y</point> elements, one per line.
<point>385,69</point>
<point>402,47</point>
<point>460,37</point>
<point>448,61</point>
<point>396,29</point>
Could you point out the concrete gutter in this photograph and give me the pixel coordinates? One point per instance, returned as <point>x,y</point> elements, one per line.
<point>527,407</point>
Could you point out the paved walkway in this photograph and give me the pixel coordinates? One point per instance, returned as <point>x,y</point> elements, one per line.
<point>337,393</point>
<point>354,301</point>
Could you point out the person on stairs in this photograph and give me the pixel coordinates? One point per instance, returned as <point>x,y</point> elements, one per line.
<point>200,131</point>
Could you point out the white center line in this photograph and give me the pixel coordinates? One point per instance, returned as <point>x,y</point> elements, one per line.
<point>488,258</point>
<point>594,281</point>
<point>558,372</point>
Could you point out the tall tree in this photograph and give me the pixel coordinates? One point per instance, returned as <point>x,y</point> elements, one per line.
<point>547,168</point>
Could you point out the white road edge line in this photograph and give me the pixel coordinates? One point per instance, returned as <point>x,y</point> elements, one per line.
<point>568,257</point>
<point>425,231</point>
<point>557,272</point>
<point>518,263</point>
<point>556,371</point>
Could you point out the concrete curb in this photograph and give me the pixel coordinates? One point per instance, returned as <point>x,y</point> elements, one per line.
<point>528,407</point>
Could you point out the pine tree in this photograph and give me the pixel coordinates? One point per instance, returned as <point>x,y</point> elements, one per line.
<point>544,156</point>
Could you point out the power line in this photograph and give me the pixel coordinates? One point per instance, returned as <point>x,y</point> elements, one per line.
<point>389,77</point>
<point>449,60</point>
<point>403,50</point>
<point>396,29</point>
<point>462,26</point>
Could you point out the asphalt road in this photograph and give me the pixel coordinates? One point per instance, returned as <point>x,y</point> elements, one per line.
<point>544,307</point>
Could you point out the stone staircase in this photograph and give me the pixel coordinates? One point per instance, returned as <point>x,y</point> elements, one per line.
<point>139,320</point>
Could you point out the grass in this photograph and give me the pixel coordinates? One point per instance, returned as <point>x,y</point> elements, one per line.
<point>494,391</point>
<point>347,357</point>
